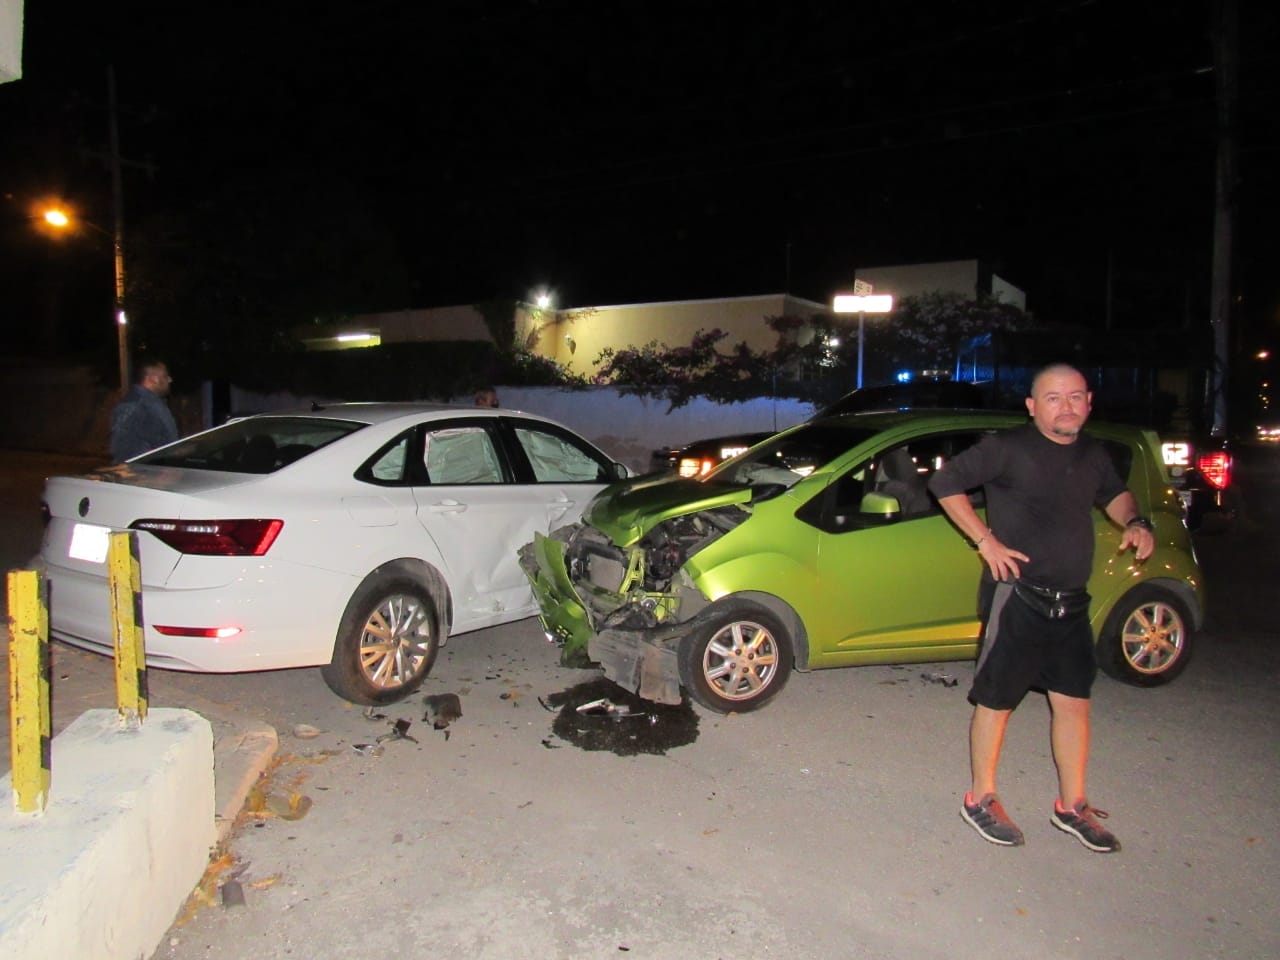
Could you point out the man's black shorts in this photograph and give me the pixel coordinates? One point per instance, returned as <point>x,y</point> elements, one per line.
<point>1023,650</point>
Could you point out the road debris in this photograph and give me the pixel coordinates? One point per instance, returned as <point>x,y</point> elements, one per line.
<point>597,715</point>
<point>442,709</point>
<point>232,894</point>
<point>944,679</point>
<point>399,731</point>
<point>604,707</point>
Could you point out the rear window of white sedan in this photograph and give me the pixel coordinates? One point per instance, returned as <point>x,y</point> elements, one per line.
<point>254,445</point>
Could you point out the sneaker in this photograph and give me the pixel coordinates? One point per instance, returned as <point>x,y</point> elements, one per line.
<point>987,816</point>
<point>1082,822</point>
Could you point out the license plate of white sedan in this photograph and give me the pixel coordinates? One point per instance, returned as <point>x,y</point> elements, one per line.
<point>89,543</point>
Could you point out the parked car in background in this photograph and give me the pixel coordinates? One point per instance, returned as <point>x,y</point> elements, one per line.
<point>698,458</point>
<point>1200,470</point>
<point>821,547</point>
<point>355,537</point>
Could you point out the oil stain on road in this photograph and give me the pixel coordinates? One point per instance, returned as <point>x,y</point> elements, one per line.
<point>600,715</point>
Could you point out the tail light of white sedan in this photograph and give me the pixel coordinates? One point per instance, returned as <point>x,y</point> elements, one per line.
<point>214,538</point>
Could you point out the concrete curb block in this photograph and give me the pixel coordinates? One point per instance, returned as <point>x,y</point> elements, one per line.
<point>125,838</point>
<point>243,748</point>
<point>240,757</point>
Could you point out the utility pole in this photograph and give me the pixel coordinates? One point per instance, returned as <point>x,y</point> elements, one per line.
<point>117,214</point>
<point>115,164</point>
<point>1225,45</point>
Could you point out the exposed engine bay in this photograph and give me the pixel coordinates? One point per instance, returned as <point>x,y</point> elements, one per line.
<point>645,577</point>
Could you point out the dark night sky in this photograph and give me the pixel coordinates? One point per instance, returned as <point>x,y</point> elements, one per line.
<point>624,151</point>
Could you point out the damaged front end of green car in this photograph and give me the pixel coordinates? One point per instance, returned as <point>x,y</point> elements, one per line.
<point>627,607</point>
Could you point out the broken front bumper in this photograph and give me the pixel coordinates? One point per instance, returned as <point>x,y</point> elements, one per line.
<point>596,625</point>
<point>563,614</point>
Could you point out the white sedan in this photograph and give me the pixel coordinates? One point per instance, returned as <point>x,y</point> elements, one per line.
<point>354,537</point>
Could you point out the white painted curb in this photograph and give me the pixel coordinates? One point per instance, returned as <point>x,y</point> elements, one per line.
<point>125,838</point>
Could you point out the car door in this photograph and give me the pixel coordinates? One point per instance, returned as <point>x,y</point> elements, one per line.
<point>561,471</point>
<point>476,517</point>
<point>904,580</point>
<point>481,496</point>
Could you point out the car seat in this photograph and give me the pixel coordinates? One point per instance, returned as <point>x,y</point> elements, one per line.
<point>259,454</point>
<point>900,479</point>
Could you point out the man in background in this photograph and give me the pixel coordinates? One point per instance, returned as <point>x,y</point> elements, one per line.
<point>142,420</point>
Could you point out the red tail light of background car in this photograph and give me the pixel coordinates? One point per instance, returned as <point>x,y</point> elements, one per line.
<point>1215,467</point>
<point>214,538</point>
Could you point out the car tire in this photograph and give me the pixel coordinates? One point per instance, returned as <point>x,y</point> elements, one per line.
<point>738,658</point>
<point>1146,640</point>
<point>387,642</point>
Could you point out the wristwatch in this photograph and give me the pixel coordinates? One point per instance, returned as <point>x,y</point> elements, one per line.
<point>1142,522</point>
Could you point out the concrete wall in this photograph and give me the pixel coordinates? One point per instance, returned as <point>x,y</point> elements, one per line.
<point>629,428</point>
<point>68,410</point>
<point>575,338</point>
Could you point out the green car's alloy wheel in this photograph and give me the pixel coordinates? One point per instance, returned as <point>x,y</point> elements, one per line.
<point>386,644</point>
<point>1147,638</point>
<point>738,659</point>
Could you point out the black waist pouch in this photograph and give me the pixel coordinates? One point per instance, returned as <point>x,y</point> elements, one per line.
<point>1052,604</point>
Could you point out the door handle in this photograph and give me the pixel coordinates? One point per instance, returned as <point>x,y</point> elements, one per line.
<point>448,506</point>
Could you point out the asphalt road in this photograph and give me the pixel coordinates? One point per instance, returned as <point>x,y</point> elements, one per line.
<point>825,826</point>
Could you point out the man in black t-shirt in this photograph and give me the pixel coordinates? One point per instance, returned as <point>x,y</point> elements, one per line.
<point>1042,481</point>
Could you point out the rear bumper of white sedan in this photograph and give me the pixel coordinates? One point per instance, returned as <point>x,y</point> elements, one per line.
<point>284,615</point>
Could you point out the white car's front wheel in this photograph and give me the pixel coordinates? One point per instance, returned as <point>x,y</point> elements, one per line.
<point>386,643</point>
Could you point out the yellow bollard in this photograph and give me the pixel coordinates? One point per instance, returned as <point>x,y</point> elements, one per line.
<point>30,724</point>
<point>125,580</point>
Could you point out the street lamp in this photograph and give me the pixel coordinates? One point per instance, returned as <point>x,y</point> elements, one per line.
<point>862,304</point>
<point>61,220</point>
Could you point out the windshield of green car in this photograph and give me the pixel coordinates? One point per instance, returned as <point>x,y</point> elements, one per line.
<point>789,457</point>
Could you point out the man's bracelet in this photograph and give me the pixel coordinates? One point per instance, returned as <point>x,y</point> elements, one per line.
<point>981,540</point>
<point>1142,522</point>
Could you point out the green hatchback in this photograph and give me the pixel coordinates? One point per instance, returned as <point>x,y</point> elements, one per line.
<point>821,547</point>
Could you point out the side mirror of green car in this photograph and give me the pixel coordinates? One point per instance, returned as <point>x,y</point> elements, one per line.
<point>879,507</point>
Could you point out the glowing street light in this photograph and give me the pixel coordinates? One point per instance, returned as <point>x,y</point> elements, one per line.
<point>62,220</point>
<point>862,303</point>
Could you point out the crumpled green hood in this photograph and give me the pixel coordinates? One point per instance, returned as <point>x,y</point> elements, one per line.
<point>627,511</point>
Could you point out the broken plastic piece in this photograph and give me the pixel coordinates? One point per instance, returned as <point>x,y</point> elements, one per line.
<point>368,749</point>
<point>399,731</point>
<point>604,707</point>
